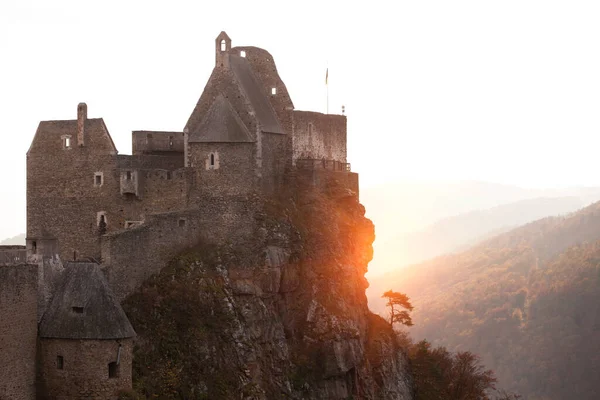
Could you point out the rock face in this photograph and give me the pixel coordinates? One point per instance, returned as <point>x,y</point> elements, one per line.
<point>282,316</point>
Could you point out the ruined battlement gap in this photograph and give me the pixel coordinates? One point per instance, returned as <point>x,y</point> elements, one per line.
<point>157,143</point>
<point>319,136</point>
<point>11,255</point>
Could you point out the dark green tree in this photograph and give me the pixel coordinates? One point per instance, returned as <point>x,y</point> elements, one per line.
<point>399,307</point>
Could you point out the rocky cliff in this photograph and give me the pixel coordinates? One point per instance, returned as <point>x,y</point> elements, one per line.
<point>282,316</point>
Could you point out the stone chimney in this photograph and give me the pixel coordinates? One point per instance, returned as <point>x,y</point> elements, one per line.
<point>81,118</point>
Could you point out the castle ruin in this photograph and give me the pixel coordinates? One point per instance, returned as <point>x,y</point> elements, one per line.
<point>99,219</point>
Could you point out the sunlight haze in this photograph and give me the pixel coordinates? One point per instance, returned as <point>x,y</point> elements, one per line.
<point>505,92</point>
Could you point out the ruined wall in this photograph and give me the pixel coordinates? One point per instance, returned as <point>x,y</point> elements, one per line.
<point>63,196</point>
<point>133,255</point>
<point>274,161</point>
<point>11,255</point>
<point>233,174</point>
<point>85,371</point>
<point>319,136</point>
<point>18,331</point>
<point>264,68</point>
<point>156,142</point>
<point>69,187</point>
<point>325,179</point>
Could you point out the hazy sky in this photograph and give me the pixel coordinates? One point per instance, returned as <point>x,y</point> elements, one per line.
<point>504,91</point>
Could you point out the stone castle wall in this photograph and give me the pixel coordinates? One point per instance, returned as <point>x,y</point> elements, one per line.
<point>68,188</point>
<point>85,368</point>
<point>319,136</point>
<point>131,256</point>
<point>18,331</point>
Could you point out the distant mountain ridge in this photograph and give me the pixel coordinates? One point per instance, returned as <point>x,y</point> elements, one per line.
<point>465,230</point>
<point>527,301</point>
<point>14,241</point>
<point>405,208</point>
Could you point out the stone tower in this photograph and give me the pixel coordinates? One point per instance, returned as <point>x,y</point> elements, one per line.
<point>85,339</point>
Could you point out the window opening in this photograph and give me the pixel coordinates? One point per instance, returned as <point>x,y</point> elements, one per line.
<point>77,310</point>
<point>60,364</point>
<point>310,126</point>
<point>274,90</point>
<point>181,222</point>
<point>98,179</point>
<point>169,175</point>
<point>34,247</point>
<point>242,53</point>
<point>223,45</point>
<point>113,370</point>
<point>128,175</point>
<point>102,225</point>
<point>212,160</point>
<point>67,142</point>
<point>170,141</point>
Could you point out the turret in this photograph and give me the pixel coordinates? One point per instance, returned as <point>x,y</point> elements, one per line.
<point>222,47</point>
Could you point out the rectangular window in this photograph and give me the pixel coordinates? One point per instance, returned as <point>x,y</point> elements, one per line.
<point>181,222</point>
<point>60,362</point>
<point>66,140</point>
<point>98,179</point>
<point>128,175</point>
<point>113,370</point>
<point>77,310</point>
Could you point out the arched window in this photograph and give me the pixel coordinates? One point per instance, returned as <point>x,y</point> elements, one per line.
<point>223,45</point>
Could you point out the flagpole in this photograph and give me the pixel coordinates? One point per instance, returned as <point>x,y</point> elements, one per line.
<point>327,85</point>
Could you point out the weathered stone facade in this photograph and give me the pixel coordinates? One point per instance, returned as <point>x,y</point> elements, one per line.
<point>84,369</point>
<point>131,214</point>
<point>18,331</point>
<point>243,139</point>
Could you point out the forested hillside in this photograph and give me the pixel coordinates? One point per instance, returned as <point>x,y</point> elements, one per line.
<point>527,301</point>
<point>462,231</point>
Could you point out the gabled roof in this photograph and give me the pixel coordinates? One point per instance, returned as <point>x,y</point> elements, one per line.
<point>84,307</point>
<point>253,90</point>
<point>221,124</point>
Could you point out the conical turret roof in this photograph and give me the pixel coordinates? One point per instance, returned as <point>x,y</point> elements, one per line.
<point>84,307</point>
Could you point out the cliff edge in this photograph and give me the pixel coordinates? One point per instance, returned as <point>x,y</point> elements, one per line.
<point>283,315</point>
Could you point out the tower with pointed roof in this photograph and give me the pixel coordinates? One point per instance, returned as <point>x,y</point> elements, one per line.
<point>244,140</point>
<point>85,339</point>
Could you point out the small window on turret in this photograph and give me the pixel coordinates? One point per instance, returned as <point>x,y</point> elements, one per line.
<point>242,53</point>
<point>60,364</point>
<point>274,91</point>
<point>223,45</point>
